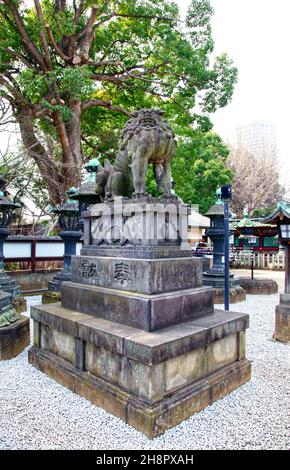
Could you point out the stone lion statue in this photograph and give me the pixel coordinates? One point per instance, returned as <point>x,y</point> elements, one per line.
<point>146,138</point>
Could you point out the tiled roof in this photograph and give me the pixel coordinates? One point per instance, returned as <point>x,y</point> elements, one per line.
<point>282,209</point>
<point>246,222</point>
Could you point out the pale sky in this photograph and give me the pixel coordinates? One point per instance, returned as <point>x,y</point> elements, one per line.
<point>255,34</point>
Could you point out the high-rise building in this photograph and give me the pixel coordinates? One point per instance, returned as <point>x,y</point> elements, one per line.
<point>258,138</point>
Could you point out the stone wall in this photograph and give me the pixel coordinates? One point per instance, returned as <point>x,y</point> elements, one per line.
<point>32,281</point>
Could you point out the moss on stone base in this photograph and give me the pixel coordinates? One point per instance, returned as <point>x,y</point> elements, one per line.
<point>8,316</point>
<point>50,297</point>
<point>19,303</point>
<point>259,286</point>
<point>237,294</point>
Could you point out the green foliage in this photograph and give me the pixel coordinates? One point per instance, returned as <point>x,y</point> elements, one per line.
<point>221,84</point>
<point>33,86</point>
<point>199,169</point>
<point>65,111</point>
<point>130,36</point>
<point>198,21</point>
<point>102,130</point>
<point>74,83</point>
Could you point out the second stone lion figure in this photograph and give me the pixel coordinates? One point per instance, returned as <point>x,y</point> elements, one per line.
<point>146,138</point>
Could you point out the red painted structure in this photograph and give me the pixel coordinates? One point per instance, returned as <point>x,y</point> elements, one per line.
<point>267,235</point>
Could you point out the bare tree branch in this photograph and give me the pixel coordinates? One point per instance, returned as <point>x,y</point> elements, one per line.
<point>144,17</point>
<point>256,181</point>
<point>19,56</point>
<point>125,75</point>
<point>55,46</point>
<point>47,57</point>
<point>104,104</point>
<point>85,38</point>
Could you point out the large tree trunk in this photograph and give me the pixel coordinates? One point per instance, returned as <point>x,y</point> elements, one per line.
<point>73,130</point>
<point>54,181</point>
<point>58,177</point>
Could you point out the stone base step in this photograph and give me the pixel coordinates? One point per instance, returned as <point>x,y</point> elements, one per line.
<point>146,347</point>
<point>152,420</point>
<point>143,311</point>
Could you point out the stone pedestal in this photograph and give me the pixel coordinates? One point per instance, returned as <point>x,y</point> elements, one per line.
<point>14,338</point>
<point>259,286</point>
<point>217,282</point>
<point>153,381</point>
<point>8,284</point>
<point>55,284</point>
<point>14,329</point>
<point>282,323</point>
<point>237,294</point>
<point>136,332</point>
<point>70,238</point>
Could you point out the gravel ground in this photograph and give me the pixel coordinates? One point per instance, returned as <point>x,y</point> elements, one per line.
<point>37,413</point>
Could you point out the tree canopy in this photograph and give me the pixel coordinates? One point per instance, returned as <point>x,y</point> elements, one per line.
<point>200,168</point>
<point>73,70</point>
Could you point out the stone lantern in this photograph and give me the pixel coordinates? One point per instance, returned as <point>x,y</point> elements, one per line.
<point>215,276</point>
<point>87,193</point>
<point>71,224</point>
<point>68,220</point>
<point>6,214</point>
<point>281,217</point>
<point>6,282</point>
<point>14,328</point>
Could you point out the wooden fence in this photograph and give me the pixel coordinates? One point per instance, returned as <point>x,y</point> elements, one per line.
<point>275,261</point>
<point>32,254</point>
